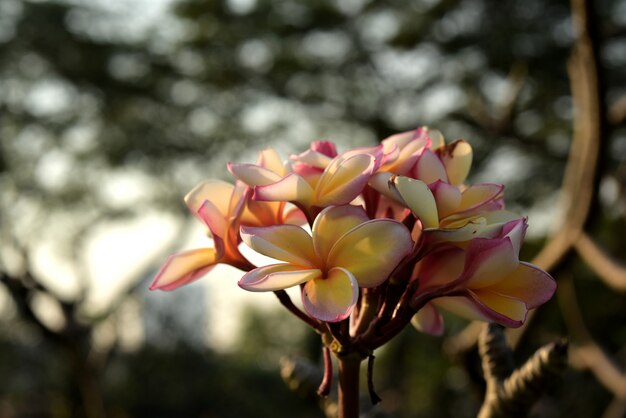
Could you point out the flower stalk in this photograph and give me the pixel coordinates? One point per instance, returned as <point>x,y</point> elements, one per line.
<point>349,376</point>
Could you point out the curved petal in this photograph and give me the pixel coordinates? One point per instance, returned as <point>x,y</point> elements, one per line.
<point>372,250</point>
<point>429,168</point>
<point>447,196</point>
<point>492,230</point>
<point>497,306</point>
<point>269,158</point>
<point>291,188</point>
<point>288,243</point>
<point>418,198</point>
<point>182,268</point>
<point>344,179</point>
<point>309,173</point>
<point>462,306</point>
<point>215,191</point>
<point>471,307</point>
<point>377,152</point>
<point>515,231</point>
<point>327,148</point>
<point>440,267</point>
<point>410,145</point>
<point>213,219</point>
<point>331,298</point>
<point>294,216</point>
<point>313,158</point>
<point>477,195</point>
<point>389,157</point>
<point>472,229</point>
<point>332,223</point>
<point>400,140</point>
<point>488,261</point>
<point>241,194</point>
<point>494,220</point>
<point>485,225</point>
<point>259,213</point>
<point>529,284</point>
<point>428,320</point>
<point>253,175</point>
<point>436,138</point>
<point>276,277</point>
<point>457,159</point>
<point>380,183</point>
<point>406,159</point>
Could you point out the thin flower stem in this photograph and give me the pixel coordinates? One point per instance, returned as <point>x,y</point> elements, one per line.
<point>403,314</point>
<point>324,388</point>
<point>393,294</point>
<point>349,371</point>
<point>285,300</point>
<point>374,398</point>
<point>367,311</point>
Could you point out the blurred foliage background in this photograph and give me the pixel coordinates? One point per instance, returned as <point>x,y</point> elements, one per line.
<point>110,111</point>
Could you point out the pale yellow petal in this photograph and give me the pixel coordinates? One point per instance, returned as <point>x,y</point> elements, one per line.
<point>447,196</point>
<point>332,223</point>
<point>344,179</point>
<point>288,243</point>
<point>485,306</point>
<point>488,261</point>
<point>253,175</point>
<point>472,229</point>
<point>457,159</point>
<point>292,188</point>
<point>428,320</point>
<point>510,307</point>
<point>419,199</point>
<point>215,191</point>
<point>380,183</point>
<point>276,277</point>
<point>429,168</point>
<point>185,267</point>
<point>372,250</point>
<point>331,298</point>
<point>436,138</point>
<point>479,194</point>
<point>270,159</point>
<point>527,283</point>
<point>461,306</point>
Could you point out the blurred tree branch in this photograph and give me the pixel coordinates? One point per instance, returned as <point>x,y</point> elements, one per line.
<point>582,173</point>
<point>74,336</point>
<point>498,119</point>
<point>585,351</point>
<point>606,268</point>
<point>617,111</point>
<point>579,190</point>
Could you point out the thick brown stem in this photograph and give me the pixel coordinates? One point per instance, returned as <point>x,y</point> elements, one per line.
<point>349,370</point>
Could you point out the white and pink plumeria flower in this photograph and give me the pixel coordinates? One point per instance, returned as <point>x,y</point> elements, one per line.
<point>345,252</point>
<point>484,281</point>
<point>397,216</point>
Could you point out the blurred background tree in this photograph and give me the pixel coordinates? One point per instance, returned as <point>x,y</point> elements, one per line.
<point>111,111</point>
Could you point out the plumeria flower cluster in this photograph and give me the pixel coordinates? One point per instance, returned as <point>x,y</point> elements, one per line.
<point>396,235</point>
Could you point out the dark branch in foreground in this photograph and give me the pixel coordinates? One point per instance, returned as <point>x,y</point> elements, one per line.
<point>512,392</point>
